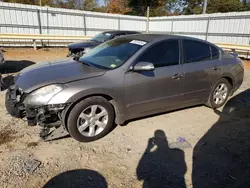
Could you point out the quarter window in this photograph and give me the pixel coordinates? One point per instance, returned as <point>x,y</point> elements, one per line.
<point>215,53</point>
<point>195,51</point>
<point>162,54</point>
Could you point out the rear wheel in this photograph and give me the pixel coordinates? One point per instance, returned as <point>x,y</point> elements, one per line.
<point>90,119</point>
<point>219,94</point>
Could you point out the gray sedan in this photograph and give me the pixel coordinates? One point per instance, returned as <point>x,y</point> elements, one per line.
<point>123,79</point>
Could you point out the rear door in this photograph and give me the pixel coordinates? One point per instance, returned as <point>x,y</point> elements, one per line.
<point>202,68</point>
<point>149,92</point>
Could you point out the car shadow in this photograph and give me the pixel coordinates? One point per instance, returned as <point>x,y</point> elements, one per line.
<point>160,165</point>
<point>10,67</point>
<point>76,179</point>
<point>221,158</point>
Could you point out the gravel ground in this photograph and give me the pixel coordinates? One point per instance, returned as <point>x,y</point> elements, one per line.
<point>141,154</point>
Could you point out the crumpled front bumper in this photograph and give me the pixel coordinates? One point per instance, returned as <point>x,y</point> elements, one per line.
<point>13,102</point>
<point>45,116</point>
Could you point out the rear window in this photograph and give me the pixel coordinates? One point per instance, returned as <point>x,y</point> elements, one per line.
<point>195,51</point>
<point>215,53</point>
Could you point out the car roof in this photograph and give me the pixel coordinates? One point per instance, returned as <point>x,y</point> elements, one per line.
<point>159,37</point>
<point>115,32</point>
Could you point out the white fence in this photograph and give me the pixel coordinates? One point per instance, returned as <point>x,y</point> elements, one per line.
<point>233,27</point>
<point>29,19</point>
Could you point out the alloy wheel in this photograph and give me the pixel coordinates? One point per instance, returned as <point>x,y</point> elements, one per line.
<point>220,94</point>
<point>92,121</point>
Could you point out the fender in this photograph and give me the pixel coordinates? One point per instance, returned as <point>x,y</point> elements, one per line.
<point>115,100</point>
<point>117,104</point>
<point>230,76</point>
<point>98,92</point>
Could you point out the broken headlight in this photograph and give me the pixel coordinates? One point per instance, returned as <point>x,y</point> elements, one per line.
<point>43,95</point>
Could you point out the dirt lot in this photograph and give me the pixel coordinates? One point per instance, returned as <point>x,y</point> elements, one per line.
<point>141,154</point>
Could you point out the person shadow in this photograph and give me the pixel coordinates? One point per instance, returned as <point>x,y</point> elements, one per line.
<point>77,179</point>
<point>221,158</point>
<point>161,166</point>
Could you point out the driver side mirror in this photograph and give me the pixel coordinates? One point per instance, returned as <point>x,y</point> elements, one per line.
<point>144,66</point>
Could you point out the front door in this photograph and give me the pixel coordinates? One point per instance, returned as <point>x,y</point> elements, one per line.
<point>202,68</point>
<point>155,91</point>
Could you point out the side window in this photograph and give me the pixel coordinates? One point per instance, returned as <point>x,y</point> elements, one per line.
<point>162,54</point>
<point>215,53</point>
<point>195,51</point>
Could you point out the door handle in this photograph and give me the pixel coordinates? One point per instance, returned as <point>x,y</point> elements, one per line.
<point>177,76</point>
<point>216,68</point>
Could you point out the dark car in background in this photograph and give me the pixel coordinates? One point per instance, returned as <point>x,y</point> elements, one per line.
<point>76,50</point>
<point>122,79</point>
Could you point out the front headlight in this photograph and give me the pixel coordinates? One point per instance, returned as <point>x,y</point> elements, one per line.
<point>43,95</point>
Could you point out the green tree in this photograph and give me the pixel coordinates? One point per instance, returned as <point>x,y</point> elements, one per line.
<point>100,9</point>
<point>157,7</point>
<point>214,6</point>
<point>225,6</point>
<point>192,6</point>
<point>89,5</point>
<point>139,7</point>
<point>118,6</point>
<point>49,3</point>
<point>31,2</point>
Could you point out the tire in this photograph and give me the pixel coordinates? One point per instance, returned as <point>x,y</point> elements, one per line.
<point>84,108</point>
<point>212,101</point>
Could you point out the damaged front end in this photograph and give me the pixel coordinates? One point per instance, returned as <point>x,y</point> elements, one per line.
<point>35,107</point>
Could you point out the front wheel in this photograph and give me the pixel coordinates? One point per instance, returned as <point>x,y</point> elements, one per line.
<point>90,119</point>
<point>219,94</point>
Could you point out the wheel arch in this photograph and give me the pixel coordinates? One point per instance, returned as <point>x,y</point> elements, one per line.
<point>230,80</point>
<point>229,77</point>
<point>110,98</point>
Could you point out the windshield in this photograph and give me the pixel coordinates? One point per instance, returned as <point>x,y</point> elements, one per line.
<point>102,37</point>
<point>112,54</point>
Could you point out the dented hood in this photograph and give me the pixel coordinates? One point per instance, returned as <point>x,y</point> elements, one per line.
<point>46,73</point>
